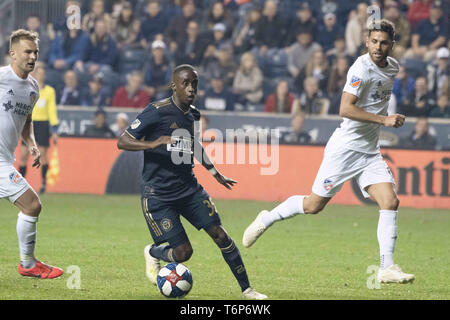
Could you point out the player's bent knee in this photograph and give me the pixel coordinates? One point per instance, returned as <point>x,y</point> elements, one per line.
<point>182,254</point>
<point>219,236</point>
<point>313,209</point>
<point>33,209</point>
<point>389,203</point>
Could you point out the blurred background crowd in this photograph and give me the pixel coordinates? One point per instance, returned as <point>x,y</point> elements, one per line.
<point>256,56</point>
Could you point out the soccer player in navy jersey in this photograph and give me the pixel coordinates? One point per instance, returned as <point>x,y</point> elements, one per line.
<point>165,131</point>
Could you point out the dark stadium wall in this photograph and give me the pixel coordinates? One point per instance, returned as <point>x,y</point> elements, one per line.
<point>96,166</point>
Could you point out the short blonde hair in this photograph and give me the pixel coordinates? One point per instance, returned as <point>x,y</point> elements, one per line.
<point>20,34</point>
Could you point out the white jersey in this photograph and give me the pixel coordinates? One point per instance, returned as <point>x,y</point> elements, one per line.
<point>373,86</point>
<point>17,99</point>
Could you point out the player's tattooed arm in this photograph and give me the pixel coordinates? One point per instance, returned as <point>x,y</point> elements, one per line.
<point>349,109</point>
<point>28,138</point>
<point>128,142</point>
<point>202,157</point>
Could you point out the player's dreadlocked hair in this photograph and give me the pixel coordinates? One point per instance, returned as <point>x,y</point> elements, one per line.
<point>20,34</point>
<point>382,25</point>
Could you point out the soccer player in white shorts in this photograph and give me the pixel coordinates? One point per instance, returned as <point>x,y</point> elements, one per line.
<point>353,151</point>
<point>19,92</point>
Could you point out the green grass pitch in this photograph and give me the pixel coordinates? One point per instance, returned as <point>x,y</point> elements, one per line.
<point>325,256</point>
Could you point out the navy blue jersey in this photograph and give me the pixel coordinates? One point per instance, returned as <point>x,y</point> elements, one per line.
<point>167,172</point>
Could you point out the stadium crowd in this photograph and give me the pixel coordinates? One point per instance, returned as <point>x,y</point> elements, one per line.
<point>260,55</point>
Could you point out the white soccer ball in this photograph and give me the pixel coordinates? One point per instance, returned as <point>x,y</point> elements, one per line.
<point>174,280</point>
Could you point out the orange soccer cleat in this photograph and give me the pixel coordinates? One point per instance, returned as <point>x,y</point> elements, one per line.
<point>41,270</point>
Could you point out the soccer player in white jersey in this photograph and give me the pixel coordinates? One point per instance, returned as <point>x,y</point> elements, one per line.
<point>353,151</point>
<point>19,92</point>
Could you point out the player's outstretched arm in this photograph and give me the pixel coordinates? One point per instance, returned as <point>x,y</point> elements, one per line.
<point>128,142</point>
<point>350,110</point>
<point>202,157</point>
<point>28,138</point>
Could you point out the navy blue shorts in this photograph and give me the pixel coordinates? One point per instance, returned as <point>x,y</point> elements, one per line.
<point>163,217</point>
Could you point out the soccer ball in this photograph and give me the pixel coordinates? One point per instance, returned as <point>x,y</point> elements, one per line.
<point>174,280</point>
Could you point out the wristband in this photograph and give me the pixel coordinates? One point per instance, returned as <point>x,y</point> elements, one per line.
<point>213,171</point>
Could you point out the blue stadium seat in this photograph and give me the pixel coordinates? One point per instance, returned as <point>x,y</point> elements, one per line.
<point>132,59</point>
<point>415,67</point>
<point>274,63</point>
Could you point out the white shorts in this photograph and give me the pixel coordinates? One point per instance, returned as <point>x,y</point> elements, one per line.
<point>341,164</point>
<point>12,184</point>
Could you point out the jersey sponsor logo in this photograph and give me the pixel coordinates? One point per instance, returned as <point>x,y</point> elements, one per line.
<point>136,123</point>
<point>327,184</point>
<point>181,144</point>
<point>355,82</point>
<point>10,92</point>
<point>14,177</point>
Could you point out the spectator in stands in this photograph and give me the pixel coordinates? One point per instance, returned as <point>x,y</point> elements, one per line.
<point>97,13</point>
<point>336,82</point>
<point>68,48</point>
<point>420,138</point>
<point>296,134</point>
<point>303,20</point>
<point>339,50</point>
<point>71,93</point>
<point>439,73</point>
<point>418,11</point>
<point>402,29</point>
<point>158,72</point>
<point>33,23</point>
<point>317,67</point>
<point>191,48</point>
<point>125,28</point>
<point>312,100</point>
<point>180,24</point>
<point>132,95</point>
<point>247,84</point>
<point>218,41</point>
<point>102,53</point>
<point>97,95</point>
<point>121,124</point>
<point>442,108</point>
<point>419,102</point>
<point>300,52</point>
<point>271,30</point>
<point>154,24</point>
<point>221,64</point>
<point>218,97</point>
<point>429,35</point>
<point>403,84</point>
<point>100,128</point>
<point>328,32</point>
<point>354,30</point>
<point>281,101</point>
<point>245,35</point>
<point>218,14</point>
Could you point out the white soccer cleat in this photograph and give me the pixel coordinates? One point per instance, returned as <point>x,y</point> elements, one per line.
<point>254,230</point>
<point>250,293</point>
<point>152,265</point>
<point>393,274</point>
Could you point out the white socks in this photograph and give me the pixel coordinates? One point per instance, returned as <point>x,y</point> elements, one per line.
<point>387,235</point>
<point>26,232</point>
<point>287,209</point>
